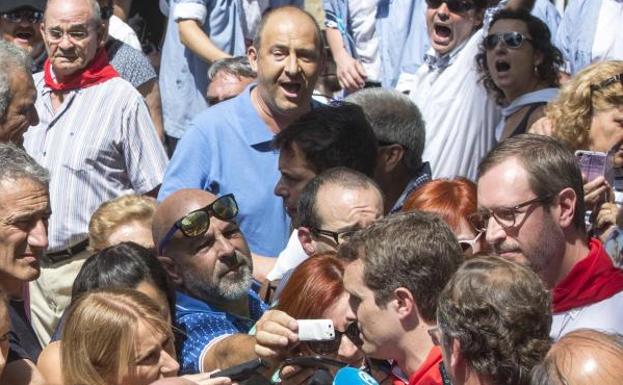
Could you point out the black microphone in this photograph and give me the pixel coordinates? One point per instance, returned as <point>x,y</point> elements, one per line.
<point>321,376</point>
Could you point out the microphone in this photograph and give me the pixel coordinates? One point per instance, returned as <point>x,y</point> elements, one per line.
<point>321,376</point>
<point>353,376</point>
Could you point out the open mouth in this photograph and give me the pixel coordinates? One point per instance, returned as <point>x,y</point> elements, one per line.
<point>24,35</point>
<point>443,31</point>
<point>502,66</point>
<point>291,89</point>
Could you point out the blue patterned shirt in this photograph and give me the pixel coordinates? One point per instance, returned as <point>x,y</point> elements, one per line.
<point>200,324</point>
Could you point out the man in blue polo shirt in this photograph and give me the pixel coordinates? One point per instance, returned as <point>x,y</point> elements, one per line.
<point>227,148</point>
<point>207,257</point>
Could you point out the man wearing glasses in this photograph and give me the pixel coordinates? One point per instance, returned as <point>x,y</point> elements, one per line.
<point>493,322</point>
<point>207,256</point>
<point>531,204</point>
<point>20,22</point>
<point>95,136</point>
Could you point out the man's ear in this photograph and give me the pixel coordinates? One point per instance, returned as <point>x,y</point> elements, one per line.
<point>172,270</point>
<point>567,199</point>
<point>102,35</point>
<point>252,56</point>
<point>391,156</point>
<point>307,241</point>
<point>458,366</point>
<point>404,303</point>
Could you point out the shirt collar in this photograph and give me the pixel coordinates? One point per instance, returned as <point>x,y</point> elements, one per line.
<point>422,176</point>
<point>438,62</point>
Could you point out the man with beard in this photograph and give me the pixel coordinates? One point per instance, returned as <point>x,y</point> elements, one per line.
<point>20,22</point>
<point>207,257</point>
<point>531,204</point>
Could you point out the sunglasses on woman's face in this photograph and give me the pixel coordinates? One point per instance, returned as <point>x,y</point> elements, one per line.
<point>332,346</point>
<point>454,6</point>
<point>512,40</point>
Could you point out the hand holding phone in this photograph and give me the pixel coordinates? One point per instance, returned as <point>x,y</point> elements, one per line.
<point>316,330</point>
<point>592,164</point>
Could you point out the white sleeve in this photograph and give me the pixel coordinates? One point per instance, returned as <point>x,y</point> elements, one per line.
<point>195,11</point>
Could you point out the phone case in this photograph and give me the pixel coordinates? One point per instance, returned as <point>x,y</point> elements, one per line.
<point>316,330</point>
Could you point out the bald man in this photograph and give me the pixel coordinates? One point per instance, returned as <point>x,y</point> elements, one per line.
<point>229,145</point>
<point>207,257</point>
<point>582,357</point>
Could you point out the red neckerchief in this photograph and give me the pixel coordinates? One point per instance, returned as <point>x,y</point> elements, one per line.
<point>428,373</point>
<point>98,71</point>
<point>591,280</point>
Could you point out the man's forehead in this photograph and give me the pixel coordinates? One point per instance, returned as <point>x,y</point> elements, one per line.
<point>290,29</point>
<point>504,181</point>
<point>74,13</point>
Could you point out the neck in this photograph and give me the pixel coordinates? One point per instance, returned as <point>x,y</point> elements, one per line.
<point>13,287</point>
<point>576,249</point>
<point>275,121</point>
<point>414,346</point>
<point>526,87</point>
<point>393,184</point>
<point>474,378</point>
<point>238,307</point>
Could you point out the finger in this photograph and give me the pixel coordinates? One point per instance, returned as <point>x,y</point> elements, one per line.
<point>357,79</point>
<point>595,183</point>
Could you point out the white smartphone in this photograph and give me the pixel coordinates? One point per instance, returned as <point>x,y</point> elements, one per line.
<point>316,330</point>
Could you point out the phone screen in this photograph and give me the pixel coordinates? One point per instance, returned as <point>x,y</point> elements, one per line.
<point>592,164</point>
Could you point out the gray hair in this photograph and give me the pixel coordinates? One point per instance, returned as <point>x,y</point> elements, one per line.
<point>394,119</point>
<point>15,164</point>
<point>12,58</point>
<point>95,10</point>
<point>238,66</point>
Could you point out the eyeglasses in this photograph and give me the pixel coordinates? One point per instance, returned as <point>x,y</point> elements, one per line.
<point>332,346</point>
<point>55,35</point>
<point>504,216</point>
<point>512,40</point>
<point>197,222</point>
<point>454,6</point>
<point>467,244</point>
<point>608,82</point>
<point>29,15</point>
<point>337,236</point>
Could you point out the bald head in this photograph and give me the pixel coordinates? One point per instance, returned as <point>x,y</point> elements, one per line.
<point>583,357</point>
<point>61,6</point>
<point>288,13</point>
<point>175,206</point>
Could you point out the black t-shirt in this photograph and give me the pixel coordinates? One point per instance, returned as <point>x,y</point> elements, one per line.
<point>22,339</point>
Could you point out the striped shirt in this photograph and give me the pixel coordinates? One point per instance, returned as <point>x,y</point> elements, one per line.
<point>98,145</point>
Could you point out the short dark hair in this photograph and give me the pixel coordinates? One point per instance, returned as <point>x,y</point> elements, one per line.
<point>500,313</point>
<point>307,210</point>
<point>414,250</point>
<point>331,137</point>
<point>551,167</point>
<point>541,41</point>
<point>124,265</point>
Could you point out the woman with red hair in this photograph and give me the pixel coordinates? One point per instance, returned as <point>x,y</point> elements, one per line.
<point>454,200</point>
<point>316,290</point>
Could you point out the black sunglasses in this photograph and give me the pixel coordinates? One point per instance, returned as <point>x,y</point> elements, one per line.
<point>608,82</point>
<point>511,40</point>
<point>337,236</point>
<point>454,6</point>
<point>29,15</point>
<point>197,222</point>
<point>327,347</point>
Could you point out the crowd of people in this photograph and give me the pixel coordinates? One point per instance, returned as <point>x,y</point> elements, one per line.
<point>186,187</point>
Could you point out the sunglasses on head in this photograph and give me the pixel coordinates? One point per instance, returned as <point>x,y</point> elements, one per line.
<point>29,15</point>
<point>510,39</point>
<point>454,6</point>
<point>197,222</point>
<point>332,346</point>
<point>608,82</point>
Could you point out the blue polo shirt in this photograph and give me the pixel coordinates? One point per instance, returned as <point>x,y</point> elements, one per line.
<point>199,324</point>
<point>228,149</point>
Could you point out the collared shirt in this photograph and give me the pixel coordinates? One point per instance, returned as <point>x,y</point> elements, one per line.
<point>228,149</point>
<point>419,179</point>
<point>201,324</point>
<point>539,96</point>
<point>184,75</point>
<point>578,32</point>
<point>98,145</point>
<point>460,116</point>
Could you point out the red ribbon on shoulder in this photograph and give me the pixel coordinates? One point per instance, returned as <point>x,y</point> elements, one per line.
<point>98,71</point>
<point>591,280</point>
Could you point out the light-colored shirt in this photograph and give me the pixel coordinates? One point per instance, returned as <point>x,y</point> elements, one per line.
<point>459,114</point>
<point>543,95</point>
<point>120,30</point>
<point>609,42</point>
<point>289,258</point>
<point>362,19</point>
<point>581,28</point>
<point>228,149</point>
<point>98,145</point>
<point>605,315</point>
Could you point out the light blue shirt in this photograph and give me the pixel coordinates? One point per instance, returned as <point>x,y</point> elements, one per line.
<point>577,32</point>
<point>228,149</point>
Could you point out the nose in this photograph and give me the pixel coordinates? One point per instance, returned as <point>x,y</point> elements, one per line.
<point>280,189</point>
<point>38,235</point>
<point>292,65</point>
<point>65,42</point>
<point>168,365</point>
<point>494,233</point>
<point>227,251</point>
<point>443,11</point>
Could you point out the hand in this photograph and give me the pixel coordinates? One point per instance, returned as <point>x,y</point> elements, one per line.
<point>204,379</point>
<point>350,73</point>
<point>295,375</point>
<point>542,126</point>
<point>597,192</point>
<point>276,334</point>
<point>606,219</point>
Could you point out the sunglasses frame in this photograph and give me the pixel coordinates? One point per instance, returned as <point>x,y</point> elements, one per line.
<point>209,210</point>
<point>505,37</point>
<point>454,6</point>
<point>17,16</point>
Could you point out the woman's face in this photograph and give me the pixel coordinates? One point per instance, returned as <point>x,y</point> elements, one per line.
<point>156,295</point>
<point>607,131</point>
<point>466,235</point>
<point>512,69</point>
<point>5,327</point>
<point>338,313</point>
<point>153,357</point>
